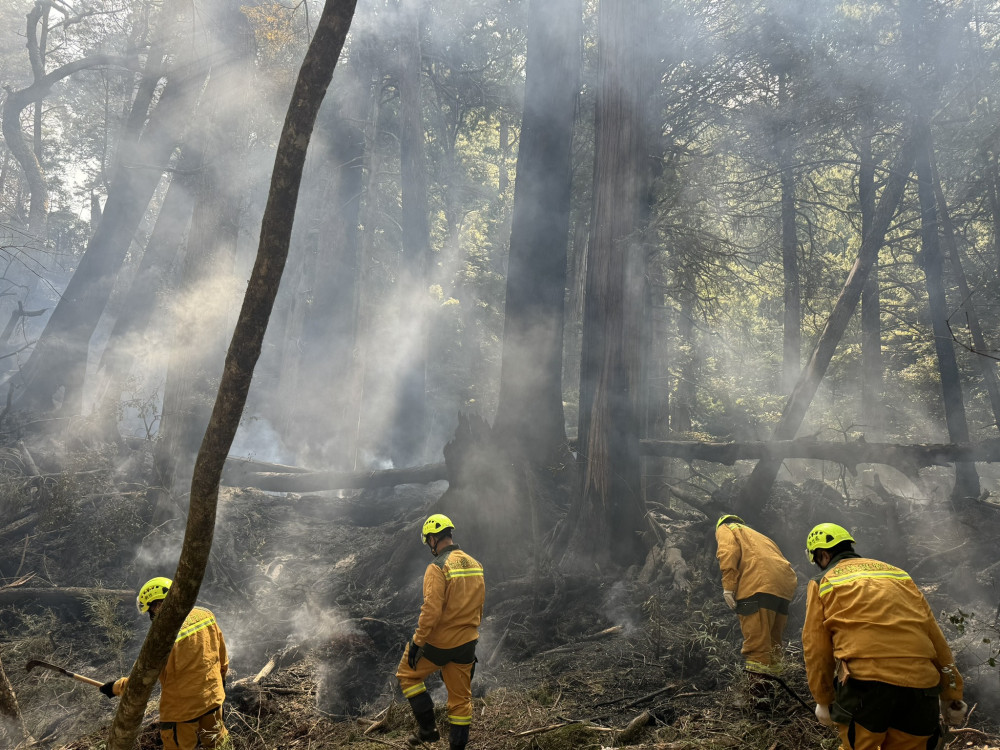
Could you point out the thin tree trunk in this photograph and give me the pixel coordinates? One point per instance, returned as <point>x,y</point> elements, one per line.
<point>987,365</point>
<point>792,338</point>
<point>758,486</point>
<point>12,729</point>
<point>244,351</point>
<point>966,476</point>
<point>530,417</point>
<point>871,308</point>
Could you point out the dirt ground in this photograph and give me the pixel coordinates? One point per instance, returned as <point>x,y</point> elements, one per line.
<point>646,659</point>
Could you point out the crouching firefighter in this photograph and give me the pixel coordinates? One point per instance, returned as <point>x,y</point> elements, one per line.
<point>446,635</point>
<point>192,684</point>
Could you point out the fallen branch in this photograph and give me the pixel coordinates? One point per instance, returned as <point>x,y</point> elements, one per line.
<point>318,481</point>
<point>606,633</point>
<point>75,598</point>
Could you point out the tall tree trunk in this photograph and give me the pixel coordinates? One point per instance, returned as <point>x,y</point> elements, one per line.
<point>244,351</point>
<point>59,359</point>
<point>530,415</point>
<point>871,308</point>
<point>966,476</point>
<point>758,486</point>
<point>409,424</point>
<point>791,360</point>
<point>610,505</point>
<point>987,365</point>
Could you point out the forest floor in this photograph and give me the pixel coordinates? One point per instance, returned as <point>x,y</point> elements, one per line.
<point>315,628</point>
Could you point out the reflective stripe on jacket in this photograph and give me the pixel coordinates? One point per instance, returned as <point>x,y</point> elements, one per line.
<point>191,681</point>
<point>752,564</point>
<point>454,593</point>
<point>869,620</point>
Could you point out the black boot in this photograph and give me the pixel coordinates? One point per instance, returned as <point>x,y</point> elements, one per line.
<point>459,737</point>
<point>423,712</point>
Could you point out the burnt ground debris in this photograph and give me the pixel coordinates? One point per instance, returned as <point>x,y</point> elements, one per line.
<point>316,623</point>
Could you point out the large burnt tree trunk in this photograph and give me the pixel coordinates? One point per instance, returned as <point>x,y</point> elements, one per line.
<point>244,351</point>
<point>530,418</point>
<point>610,504</point>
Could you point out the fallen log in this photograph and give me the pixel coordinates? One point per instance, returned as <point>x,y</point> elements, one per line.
<point>907,458</point>
<point>319,481</point>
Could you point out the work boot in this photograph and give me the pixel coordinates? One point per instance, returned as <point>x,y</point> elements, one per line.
<point>427,730</point>
<point>459,737</point>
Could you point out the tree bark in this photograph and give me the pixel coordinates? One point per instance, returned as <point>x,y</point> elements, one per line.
<point>12,729</point>
<point>610,504</point>
<point>530,417</point>
<point>757,487</point>
<point>244,351</point>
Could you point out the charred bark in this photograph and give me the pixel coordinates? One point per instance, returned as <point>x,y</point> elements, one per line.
<point>12,729</point>
<point>244,351</point>
<point>530,417</point>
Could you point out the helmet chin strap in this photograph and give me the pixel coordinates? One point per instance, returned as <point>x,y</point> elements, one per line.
<point>433,544</point>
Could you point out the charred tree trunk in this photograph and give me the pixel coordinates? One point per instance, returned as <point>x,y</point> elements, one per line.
<point>530,418</point>
<point>755,492</point>
<point>408,428</point>
<point>244,351</point>
<point>871,308</point>
<point>12,729</point>
<point>610,505</point>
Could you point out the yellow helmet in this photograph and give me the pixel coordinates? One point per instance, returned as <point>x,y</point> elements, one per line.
<point>153,590</point>
<point>728,518</point>
<point>825,536</point>
<point>435,525</point>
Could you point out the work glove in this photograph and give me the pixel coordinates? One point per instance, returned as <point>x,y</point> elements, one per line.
<point>413,655</point>
<point>730,597</point>
<point>823,715</point>
<point>108,688</point>
<point>953,712</point>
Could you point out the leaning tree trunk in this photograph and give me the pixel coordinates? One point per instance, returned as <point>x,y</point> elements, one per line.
<point>244,351</point>
<point>12,729</point>
<point>60,356</point>
<point>530,418</point>
<point>610,505</point>
<point>758,486</point>
<point>966,476</point>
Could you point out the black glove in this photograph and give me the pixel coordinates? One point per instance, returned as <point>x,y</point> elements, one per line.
<point>108,688</point>
<point>413,655</point>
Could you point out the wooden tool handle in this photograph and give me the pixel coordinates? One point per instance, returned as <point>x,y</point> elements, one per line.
<point>81,678</point>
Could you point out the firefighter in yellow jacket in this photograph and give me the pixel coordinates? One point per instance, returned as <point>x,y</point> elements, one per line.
<point>877,662</point>
<point>758,583</point>
<point>192,682</point>
<point>446,635</point>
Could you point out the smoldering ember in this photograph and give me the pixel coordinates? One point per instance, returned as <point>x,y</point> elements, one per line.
<point>500,375</point>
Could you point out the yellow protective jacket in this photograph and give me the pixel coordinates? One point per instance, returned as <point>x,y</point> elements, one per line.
<point>752,564</point>
<point>868,620</point>
<point>454,593</point>
<point>191,681</point>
